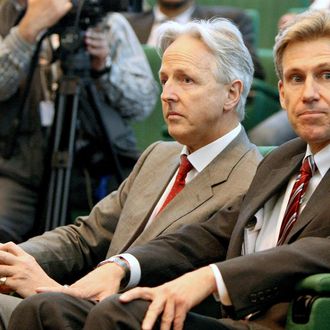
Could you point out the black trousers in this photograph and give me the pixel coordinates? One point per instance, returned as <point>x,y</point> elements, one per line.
<point>55,311</point>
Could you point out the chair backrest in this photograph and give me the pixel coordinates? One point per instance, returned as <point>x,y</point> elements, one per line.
<point>266,58</point>
<point>150,129</point>
<point>265,150</point>
<point>262,102</point>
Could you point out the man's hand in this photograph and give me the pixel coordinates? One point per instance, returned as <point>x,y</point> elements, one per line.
<point>23,273</point>
<point>97,285</point>
<point>98,48</point>
<point>174,299</point>
<point>40,15</point>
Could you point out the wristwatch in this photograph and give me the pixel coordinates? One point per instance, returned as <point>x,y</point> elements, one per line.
<point>124,265</point>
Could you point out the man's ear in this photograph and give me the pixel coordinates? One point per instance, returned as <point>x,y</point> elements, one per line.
<point>234,93</point>
<point>281,94</point>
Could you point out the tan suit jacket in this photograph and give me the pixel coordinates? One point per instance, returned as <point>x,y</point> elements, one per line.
<point>118,221</point>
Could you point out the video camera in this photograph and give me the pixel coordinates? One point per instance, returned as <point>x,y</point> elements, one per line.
<point>85,14</point>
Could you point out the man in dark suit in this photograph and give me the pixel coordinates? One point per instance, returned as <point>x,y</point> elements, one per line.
<point>253,254</point>
<point>146,23</point>
<point>203,102</point>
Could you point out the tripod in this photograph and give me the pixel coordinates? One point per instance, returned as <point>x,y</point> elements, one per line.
<point>76,78</point>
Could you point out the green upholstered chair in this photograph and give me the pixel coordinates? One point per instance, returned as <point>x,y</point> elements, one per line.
<point>310,309</point>
<point>262,102</point>
<point>265,150</point>
<point>150,129</point>
<point>266,58</point>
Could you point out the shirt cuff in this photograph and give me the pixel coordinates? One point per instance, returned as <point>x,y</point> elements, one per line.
<point>222,293</point>
<point>135,270</point>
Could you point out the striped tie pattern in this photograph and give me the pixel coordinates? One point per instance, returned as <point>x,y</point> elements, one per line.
<point>307,170</point>
<point>179,183</point>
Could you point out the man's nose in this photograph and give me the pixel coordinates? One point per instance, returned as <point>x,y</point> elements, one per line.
<point>169,92</point>
<point>310,90</point>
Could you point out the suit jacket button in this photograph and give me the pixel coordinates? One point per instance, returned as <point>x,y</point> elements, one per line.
<point>253,297</point>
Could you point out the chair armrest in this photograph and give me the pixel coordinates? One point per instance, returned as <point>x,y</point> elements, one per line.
<point>318,283</point>
<point>310,309</point>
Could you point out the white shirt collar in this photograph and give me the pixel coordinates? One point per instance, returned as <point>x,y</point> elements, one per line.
<point>320,4</point>
<point>17,5</point>
<point>321,158</point>
<point>183,18</point>
<point>204,156</point>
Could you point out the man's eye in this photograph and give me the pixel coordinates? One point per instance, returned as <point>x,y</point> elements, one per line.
<point>326,75</point>
<point>163,82</point>
<point>295,78</point>
<point>187,80</point>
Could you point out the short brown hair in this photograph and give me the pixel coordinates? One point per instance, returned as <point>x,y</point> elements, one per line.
<point>310,25</point>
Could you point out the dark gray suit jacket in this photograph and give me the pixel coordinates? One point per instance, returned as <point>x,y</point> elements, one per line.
<point>261,281</point>
<point>142,24</point>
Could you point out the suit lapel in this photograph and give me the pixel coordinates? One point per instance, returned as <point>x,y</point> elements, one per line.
<point>200,189</point>
<point>273,183</point>
<point>152,187</point>
<point>313,207</point>
<point>269,181</point>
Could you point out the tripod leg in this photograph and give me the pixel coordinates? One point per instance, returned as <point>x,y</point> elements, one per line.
<point>62,153</point>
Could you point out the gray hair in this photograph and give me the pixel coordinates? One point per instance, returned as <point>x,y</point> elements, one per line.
<point>225,42</point>
<point>310,25</point>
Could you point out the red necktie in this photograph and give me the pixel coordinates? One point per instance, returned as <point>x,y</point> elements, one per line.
<point>307,170</point>
<point>179,182</point>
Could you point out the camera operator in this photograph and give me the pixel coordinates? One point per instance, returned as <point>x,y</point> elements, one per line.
<point>119,70</point>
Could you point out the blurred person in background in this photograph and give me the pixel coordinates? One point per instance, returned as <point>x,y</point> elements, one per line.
<point>124,83</point>
<point>146,23</point>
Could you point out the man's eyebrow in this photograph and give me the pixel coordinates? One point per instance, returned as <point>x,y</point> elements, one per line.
<point>319,66</point>
<point>176,71</point>
<point>324,65</point>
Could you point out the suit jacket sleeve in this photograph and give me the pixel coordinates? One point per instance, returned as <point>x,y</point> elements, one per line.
<point>76,249</point>
<point>191,247</point>
<point>257,281</point>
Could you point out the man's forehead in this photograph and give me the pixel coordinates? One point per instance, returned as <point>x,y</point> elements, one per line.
<point>187,52</point>
<point>186,43</point>
<point>186,63</point>
<point>316,52</point>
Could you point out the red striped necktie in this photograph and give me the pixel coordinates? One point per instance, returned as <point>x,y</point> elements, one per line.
<point>179,182</point>
<point>307,170</point>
